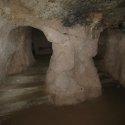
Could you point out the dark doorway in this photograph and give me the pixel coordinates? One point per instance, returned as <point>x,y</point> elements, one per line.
<point>41,47</point>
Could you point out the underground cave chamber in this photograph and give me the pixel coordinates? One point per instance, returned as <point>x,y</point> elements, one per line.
<point>111,103</point>
<point>29,47</point>
<point>62,62</point>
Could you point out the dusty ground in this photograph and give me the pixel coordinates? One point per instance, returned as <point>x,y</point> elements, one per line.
<point>109,109</point>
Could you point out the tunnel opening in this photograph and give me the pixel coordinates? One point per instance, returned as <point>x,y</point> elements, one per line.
<point>41,47</point>
<point>30,47</point>
<point>110,58</point>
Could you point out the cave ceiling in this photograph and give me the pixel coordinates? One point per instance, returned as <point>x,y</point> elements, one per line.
<point>72,12</point>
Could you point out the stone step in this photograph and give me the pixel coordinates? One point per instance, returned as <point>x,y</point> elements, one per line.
<point>15,99</point>
<point>104,76</point>
<point>9,94</point>
<point>107,81</point>
<point>23,90</point>
<point>19,79</point>
<point>110,85</point>
<point>8,108</point>
<point>35,71</point>
<point>21,85</point>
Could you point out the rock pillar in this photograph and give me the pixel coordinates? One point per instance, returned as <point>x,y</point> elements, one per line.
<point>72,76</point>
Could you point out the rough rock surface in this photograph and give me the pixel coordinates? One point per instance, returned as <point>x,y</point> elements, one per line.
<point>113,53</point>
<point>22,56</point>
<point>72,27</point>
<point>72,76</point>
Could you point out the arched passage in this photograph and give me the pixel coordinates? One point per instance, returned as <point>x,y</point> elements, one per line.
<point>29,45</point>
<point>110,58</point>
<point>25,70</point>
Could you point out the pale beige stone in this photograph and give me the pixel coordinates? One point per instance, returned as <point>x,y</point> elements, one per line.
<point>72,76</point>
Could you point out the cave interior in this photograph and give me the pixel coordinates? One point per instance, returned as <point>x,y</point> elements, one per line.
<point>62,62</point>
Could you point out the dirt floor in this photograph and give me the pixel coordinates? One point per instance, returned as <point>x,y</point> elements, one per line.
<point>109,109</point>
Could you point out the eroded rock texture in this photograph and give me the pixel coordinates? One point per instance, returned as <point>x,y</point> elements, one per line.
<point>15,48</point>
<point>22,55</point>
<point>73,27</point>
<point>72,76</point>
<point>113,53</point>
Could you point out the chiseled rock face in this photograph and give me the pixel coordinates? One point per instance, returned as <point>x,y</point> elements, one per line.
<point>114,55</point>
<point>22,55</point>
<point>72,76</point>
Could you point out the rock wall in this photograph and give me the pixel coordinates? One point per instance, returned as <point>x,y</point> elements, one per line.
<point>113,53</point>
<point>6,47</point>
<point>16,52</point>
<point>22,56</point>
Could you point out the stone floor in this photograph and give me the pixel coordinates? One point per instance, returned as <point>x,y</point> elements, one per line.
<point>109,109</point>
<point>23,102</point>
